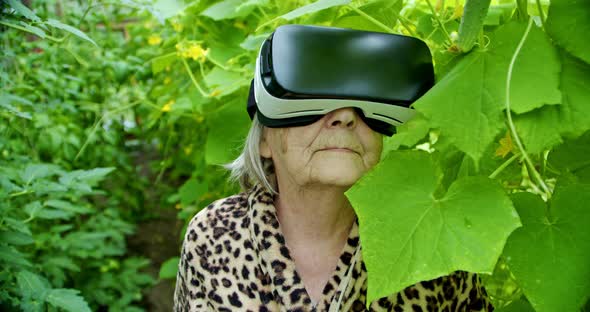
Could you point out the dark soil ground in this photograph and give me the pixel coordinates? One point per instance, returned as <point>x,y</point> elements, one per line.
<point>158,240</point>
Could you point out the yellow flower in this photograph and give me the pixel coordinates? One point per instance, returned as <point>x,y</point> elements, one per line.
<point>154,40</point>
<point>196,52</point>
<point>167,80</point>
<point>188,150</point>
<point>505,147</point>
<point>192,50</point>
<point>167,106</point>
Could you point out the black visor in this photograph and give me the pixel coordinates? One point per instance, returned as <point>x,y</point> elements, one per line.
<point>305,71</point>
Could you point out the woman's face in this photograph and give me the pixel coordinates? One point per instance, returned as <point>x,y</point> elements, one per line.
<point>336,150</point>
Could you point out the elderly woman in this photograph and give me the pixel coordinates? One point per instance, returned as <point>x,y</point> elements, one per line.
<point>290,241</point>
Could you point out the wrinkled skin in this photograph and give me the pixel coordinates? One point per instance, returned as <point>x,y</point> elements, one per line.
<point>336,150</point>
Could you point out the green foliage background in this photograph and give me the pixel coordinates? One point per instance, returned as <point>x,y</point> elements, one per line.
<point>107,105</point>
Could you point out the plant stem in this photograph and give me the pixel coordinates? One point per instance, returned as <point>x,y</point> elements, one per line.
<point>95,127</point>
<point>406,23</point>
<point>202,71</point>
<point>217,63</point>
<point>67,36</point>
<point>90,3</point>
<point>26,30</point>
<point>509,113</point>
<point>194,80</point>
<point>20,193</point>
<point>503,166</point>
<point>379,24</point>
<point>372,19</point>
<point>262,10</point>
<point>440,23</point>
<point>163,162</point>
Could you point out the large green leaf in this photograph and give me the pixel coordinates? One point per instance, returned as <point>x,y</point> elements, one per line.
<point>467,103</point>
<point>572,157</point>
<point>408,134</point>
<point>409,234</point>
<point>539,129</point>
<point>531,86</point>
<point>227,129</point>
<point>549,255</point>
<point>545,127</point>
<point>575,85</point>
<point>568,23</point>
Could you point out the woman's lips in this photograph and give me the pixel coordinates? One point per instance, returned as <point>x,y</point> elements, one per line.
<point>338,149</point>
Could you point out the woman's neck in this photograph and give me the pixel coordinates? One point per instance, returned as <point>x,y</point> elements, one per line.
<point>316,222</point>
<point>318,214</point>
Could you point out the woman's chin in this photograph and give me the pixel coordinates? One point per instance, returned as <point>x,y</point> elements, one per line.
<point>344,176</point>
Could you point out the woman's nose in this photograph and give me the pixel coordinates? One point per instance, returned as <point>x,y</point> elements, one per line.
<point>345,117</point>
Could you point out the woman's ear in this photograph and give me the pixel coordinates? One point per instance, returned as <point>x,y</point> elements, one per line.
<point>265,150</point>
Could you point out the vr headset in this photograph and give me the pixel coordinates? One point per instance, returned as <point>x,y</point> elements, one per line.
<point>303,72</point>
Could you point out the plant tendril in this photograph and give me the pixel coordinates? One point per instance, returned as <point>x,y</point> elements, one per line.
<point>509,113</point>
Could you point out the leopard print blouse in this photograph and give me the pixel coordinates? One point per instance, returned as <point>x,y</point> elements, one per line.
<point>234,258</point>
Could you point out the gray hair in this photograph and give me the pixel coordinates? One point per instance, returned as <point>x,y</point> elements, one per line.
<point>249,168</point>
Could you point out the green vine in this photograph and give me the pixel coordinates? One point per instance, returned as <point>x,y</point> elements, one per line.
<point>515,136</point>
